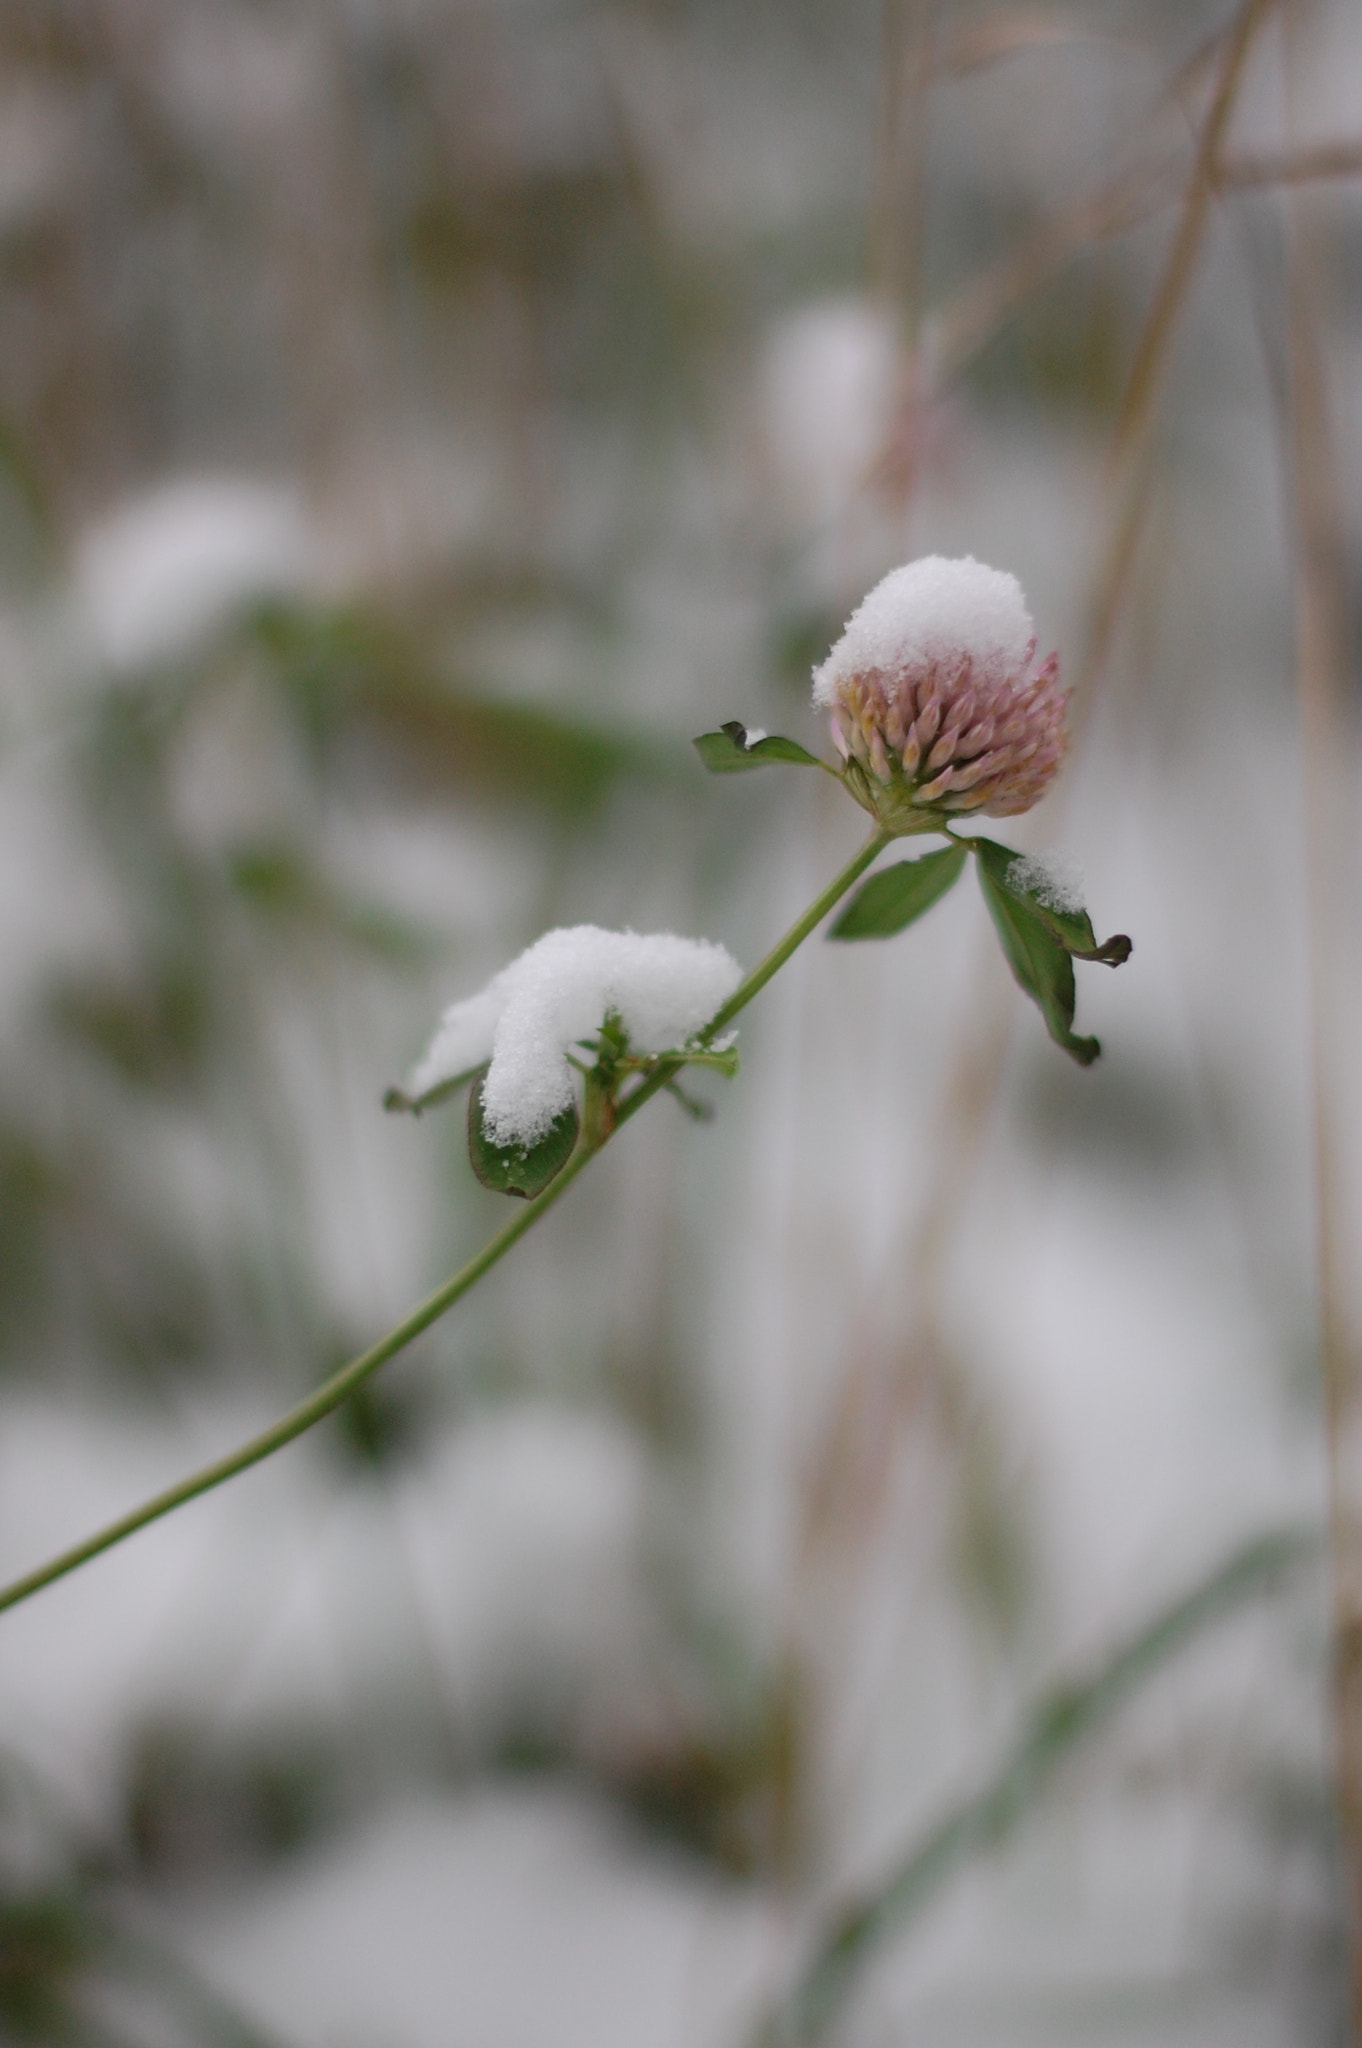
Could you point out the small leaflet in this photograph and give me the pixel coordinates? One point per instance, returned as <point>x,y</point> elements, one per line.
<point>1060,909</point>
<point>524,1170</point>
<point>897,896</point>
<point>1041,943</point>
<point>733,749</point>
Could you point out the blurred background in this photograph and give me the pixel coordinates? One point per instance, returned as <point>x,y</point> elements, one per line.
<point>418,419</point>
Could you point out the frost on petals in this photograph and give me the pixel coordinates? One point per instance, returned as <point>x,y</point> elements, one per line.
<point>531,1015</point>
<point>937,706</point>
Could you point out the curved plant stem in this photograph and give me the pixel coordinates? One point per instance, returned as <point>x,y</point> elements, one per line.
<point>796,935</point>
<point>1064,1718</point>
<point>320,1403</point>
<point>752,984</point>
<point>332,1392</point>
<point>1324,683</point>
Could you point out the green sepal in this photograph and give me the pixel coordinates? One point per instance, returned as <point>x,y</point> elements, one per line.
<point>892,899</point>
<point>519,1169</point>
<point>727,752</point>
<point>441,1092</point>
<point>1035,953</point>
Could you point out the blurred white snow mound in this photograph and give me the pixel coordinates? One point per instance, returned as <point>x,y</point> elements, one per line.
<point>164,570</point>
<point>523,1910</point>
<point>662,988</point>
<point>829,384</point>
<point>530,1540</point>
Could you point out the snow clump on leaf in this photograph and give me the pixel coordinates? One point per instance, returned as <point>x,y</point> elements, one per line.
<point>1052,877</point>
<point>530,1016</point>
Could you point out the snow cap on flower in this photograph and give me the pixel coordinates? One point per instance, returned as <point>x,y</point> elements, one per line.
<point>936,705</point>
<point>528,1018</point>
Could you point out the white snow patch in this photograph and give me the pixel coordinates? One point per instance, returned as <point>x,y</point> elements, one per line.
<point>829,383</point>
<point>463,1040</point>
<point>1053,877</point>
<point>164,570</point>
<point>932,610</point>
<point>518,1911</point>
<point>529,1016</point>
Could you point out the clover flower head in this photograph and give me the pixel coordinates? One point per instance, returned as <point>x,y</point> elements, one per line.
<point>937,705</point>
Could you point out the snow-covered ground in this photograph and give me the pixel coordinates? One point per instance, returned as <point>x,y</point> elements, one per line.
<point>716,1546</point>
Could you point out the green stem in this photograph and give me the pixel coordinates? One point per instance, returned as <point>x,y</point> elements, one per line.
<point>753,983</point>
<point>318,1404</point>
<point>342,1384</point>
<point>796,935</point>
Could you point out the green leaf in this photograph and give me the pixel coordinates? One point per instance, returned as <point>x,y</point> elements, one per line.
<point>892,899</point>
<point>729,752</point>
<point>278,880</point>
<point>441,1092</point>
<point>358,682</point>
<point>1073,928</point>
<point>519,1169</point>
<point>1037,957</point>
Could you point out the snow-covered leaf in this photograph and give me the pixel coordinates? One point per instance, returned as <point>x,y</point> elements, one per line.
<point>1056,900</point>
<point>658,989</point>
<point>519,1169</point>
<point>1036,956</point>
